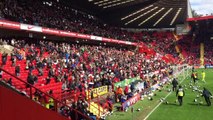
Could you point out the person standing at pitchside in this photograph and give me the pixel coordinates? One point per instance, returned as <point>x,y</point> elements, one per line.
<point>180,94</point>
<point>203,76</point>
<point>174,84</point>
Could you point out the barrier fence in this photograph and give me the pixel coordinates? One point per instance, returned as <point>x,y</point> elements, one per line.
<point>182,70</point>
<point>30,90</point>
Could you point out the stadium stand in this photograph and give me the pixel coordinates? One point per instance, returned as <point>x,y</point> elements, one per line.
<point>83,77</point>
<point>69,69</point>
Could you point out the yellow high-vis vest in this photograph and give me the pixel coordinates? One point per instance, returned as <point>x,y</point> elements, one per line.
<point>180,92</point>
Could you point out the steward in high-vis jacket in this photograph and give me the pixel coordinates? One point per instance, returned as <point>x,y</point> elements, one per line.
<point>180,94</point>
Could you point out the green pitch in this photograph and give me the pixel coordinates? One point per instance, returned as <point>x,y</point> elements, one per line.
<point>172,111</point>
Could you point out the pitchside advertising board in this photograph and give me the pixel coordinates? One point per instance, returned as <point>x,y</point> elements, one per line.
<point>97,92</point>
<point>209,66</point>
<point>140,86</point>
<point>126,82</point>
<point>136,98</point>
<point>131,101</point>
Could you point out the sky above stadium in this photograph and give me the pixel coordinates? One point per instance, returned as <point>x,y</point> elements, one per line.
<point>202,6</point>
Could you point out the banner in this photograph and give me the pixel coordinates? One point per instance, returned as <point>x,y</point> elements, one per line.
<point>97,92</point>
<point>158,85</point>
<point>131,101</point>
<point>9,25</point>
<point>209,66</point>
<point>140,86</point>
<point>49,31</point>
<point>96,38</point>
<point>31,28</point>
<point>126,82</point>
<point>19,26</point>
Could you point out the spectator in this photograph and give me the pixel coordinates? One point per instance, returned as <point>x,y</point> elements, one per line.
<point>35,79</point>
<point>1,73</point>
<point>10,82</point>
<point>132,87</point>
<point>17,70</point>
<point>48,79</point>
<point>13,59</point>
<point>51,100</point>
<point>4,58</point>
<point>30,80</point>
<point>126,90</point>
<point>119,93</point>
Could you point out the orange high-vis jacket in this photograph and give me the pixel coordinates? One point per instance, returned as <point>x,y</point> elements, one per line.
<point>119,91</point>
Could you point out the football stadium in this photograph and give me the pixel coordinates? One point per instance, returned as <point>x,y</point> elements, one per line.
<point>106,60</point>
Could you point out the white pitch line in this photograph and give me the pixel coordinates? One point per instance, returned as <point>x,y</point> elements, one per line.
<point>159,104</point>
<point>156,107</point>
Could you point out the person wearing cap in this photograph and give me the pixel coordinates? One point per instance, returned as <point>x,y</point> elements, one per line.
<point>180,94</point>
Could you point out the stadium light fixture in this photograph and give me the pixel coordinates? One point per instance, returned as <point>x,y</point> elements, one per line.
<point>151,16</point>
<point>138,11</point>
<point>99,2</point>
<point>163,16</point>
<point>110,2</point>
<point>176,15</point>
<point>116,4</point>
<point>140,16</point>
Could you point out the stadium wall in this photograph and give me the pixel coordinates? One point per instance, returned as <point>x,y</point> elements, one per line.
<point>13,106</point>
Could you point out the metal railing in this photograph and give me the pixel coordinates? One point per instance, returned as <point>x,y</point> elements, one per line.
<point>29,91</point>
<point>67,96</point>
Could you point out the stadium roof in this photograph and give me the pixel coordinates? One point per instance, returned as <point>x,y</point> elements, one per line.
<point>200,18</point>
<point>135,13</point>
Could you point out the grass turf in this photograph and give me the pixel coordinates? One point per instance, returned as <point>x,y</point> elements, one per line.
<point>189,111</point>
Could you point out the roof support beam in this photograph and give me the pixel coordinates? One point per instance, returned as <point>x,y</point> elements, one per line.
<point>116,4</point>
<point>176,15</point>
<point>110,2</point>
<point>161,18</point>
<point>99,2</point>
<point>123,18</point>
<point>151,16</point>
<point>140,16</point>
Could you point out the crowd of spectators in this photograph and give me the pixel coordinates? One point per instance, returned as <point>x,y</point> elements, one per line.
<point>164,42</point>
<point>190,50</point>
<point>94,65</point>
<point>81,67</point>
<point>56,15</point>
<point>208,54</point>
<point>59,16</point>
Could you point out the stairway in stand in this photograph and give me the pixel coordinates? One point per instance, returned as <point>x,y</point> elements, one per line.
<point>54,86</point>
<point>201,54</point>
